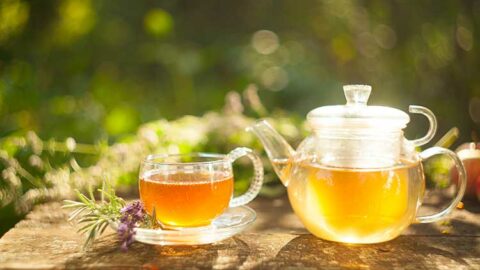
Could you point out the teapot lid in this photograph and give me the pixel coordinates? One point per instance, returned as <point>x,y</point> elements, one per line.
<point>356,113</point>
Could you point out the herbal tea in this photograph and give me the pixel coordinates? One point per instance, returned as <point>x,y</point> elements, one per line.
<point>355,205</point>
<point>186,199</point>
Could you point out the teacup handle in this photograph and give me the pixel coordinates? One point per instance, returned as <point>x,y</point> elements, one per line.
<point>461,176</point>
<point>257,180</point>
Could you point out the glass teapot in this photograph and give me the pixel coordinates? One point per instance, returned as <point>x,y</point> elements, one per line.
<point>356,178</point>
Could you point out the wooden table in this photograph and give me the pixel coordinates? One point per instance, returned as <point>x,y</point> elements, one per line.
<point>45,240</point>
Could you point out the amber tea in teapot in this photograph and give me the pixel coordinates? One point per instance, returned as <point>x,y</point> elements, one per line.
<point>355,204</point>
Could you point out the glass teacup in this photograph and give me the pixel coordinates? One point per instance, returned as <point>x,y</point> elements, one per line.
<point>191,190</point>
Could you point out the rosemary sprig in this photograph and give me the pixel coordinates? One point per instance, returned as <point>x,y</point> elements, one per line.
<point>151,221</point>
<point>95,216</point>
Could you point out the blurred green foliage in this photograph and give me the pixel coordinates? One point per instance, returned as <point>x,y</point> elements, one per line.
<point>96,70</point>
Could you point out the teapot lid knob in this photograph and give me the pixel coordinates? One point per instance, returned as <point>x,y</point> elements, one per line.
<point>357,94</point>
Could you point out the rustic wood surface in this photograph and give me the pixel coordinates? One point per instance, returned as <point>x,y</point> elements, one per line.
<point>277,240</point>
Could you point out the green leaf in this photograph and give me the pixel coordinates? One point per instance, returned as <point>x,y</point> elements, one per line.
<point>154,218</point>
<point>83,198</point>
<point>103,227</point>
<point>86,227</point>
<point>90,192</point>
<point>77,212</point>
<point>71,204</point>
<point>102,196</point>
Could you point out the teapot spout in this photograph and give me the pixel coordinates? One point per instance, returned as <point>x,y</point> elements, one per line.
<point>278,150</point>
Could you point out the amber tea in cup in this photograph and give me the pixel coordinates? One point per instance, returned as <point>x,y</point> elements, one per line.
<point>186,199</point>
<point>192,190</point>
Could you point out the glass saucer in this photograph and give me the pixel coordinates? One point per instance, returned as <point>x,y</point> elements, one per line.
<point>231,222</point>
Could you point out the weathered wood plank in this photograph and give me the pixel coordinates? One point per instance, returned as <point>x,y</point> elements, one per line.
<point>277,240</point>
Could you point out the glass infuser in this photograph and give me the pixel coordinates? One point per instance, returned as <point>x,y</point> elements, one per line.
<point>356,178</point>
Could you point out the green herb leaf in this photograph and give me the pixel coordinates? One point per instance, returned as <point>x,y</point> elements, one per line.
<point>95,216</point>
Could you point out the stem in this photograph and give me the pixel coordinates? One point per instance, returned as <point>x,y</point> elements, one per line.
<point>79,148</point>
<point>23,173</point>
<point>449,138</point>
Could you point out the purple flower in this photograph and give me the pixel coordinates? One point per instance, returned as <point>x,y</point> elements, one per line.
<point>131,214</point>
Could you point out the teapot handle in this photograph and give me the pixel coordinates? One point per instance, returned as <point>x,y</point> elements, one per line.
<point>431,119</point>
<point>462,177</point>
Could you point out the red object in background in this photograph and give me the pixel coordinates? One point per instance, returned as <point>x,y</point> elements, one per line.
<point>478,188</point>
<point>469,153</point>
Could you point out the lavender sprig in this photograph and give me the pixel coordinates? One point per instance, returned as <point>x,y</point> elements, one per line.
<point>132,214</point>
<point>95,215</point>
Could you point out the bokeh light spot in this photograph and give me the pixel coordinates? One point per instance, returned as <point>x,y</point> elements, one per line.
<point>464,38</point>
<point>76,19</point>
<point>265,41</point>
<point>275,78</point>
<point>158,22</point>
<point>189,62</point>
<point>62,105</point>
<point>440,46</point>
<point>385,36</point>
<point>13,17</point>
<point>121,120</point>
<point>342,48</point>
<point>26,120</point>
